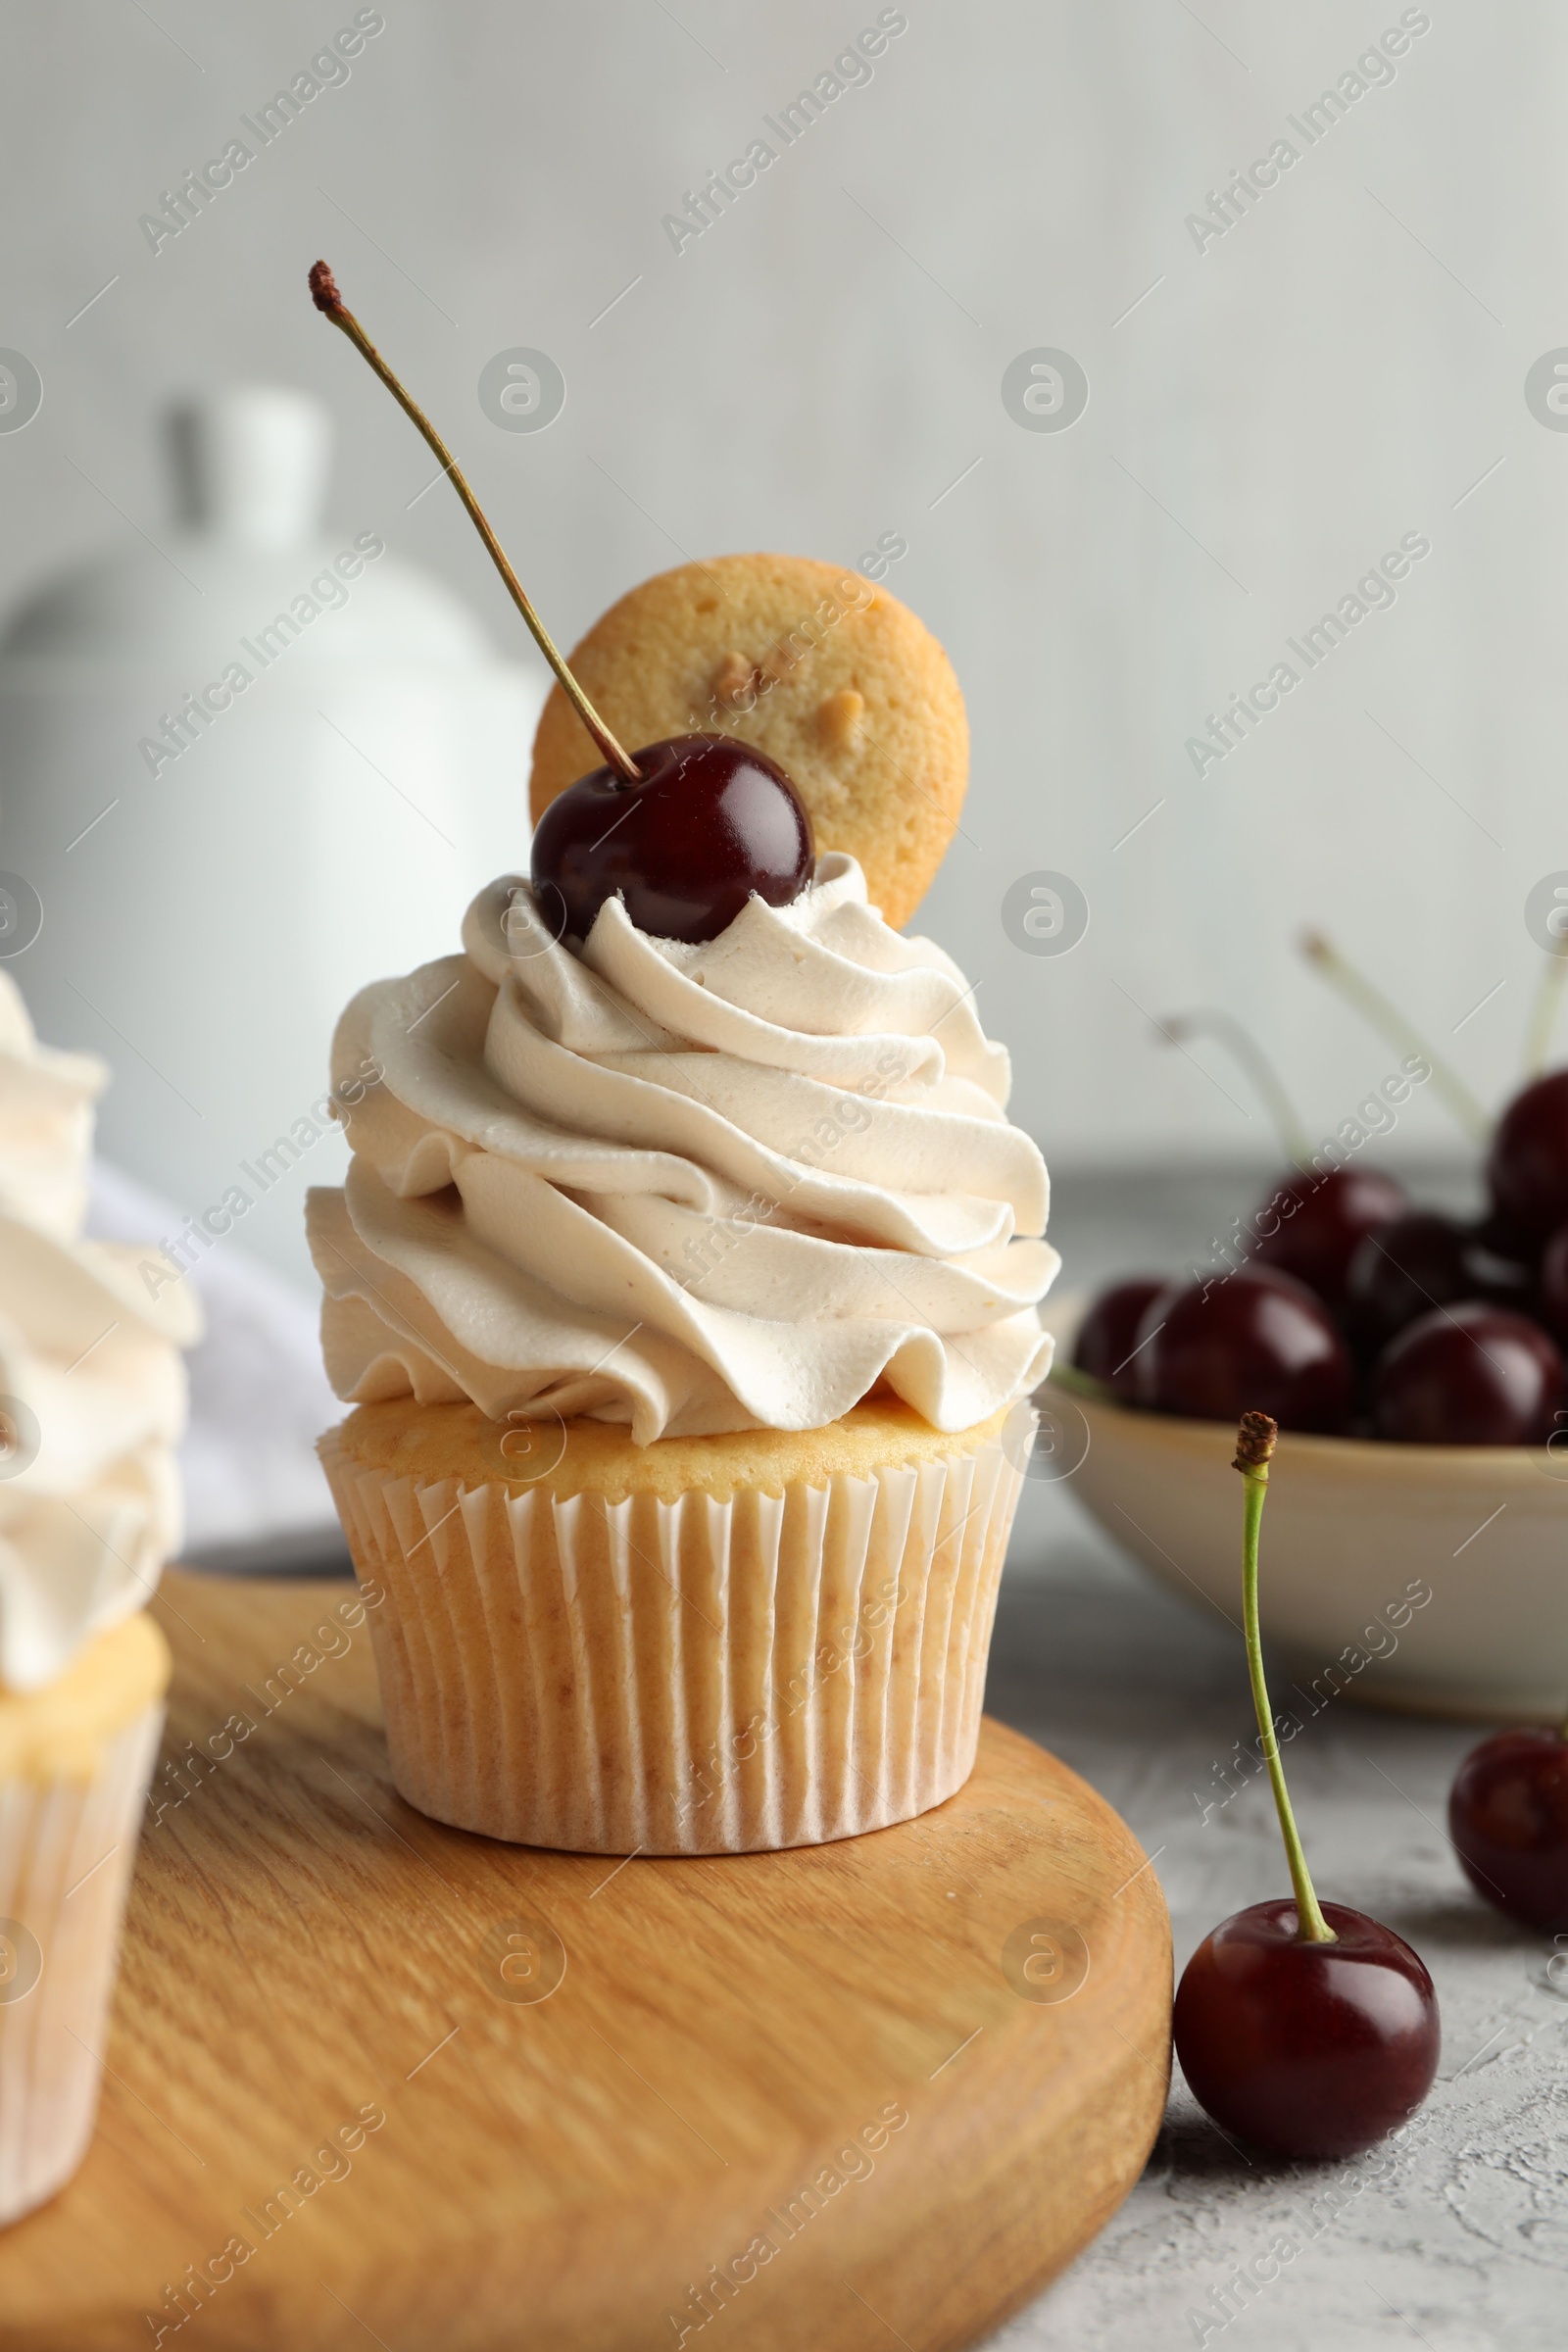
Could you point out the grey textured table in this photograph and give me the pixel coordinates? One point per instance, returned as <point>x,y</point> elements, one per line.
<point>1456,2237</point>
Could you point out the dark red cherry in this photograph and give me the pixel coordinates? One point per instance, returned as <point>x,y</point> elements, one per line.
<point>1258,1341</point>
<point>1108,1331</point>
<point>1468,1375</point>
<point>1422,1260</point>
<point>1500,1267</point>
<point>1500,1234</point>
<point>1554,1293</point>
<point>1311,1225</point>
<point>1527,1167</point>
<point>1306,2051</point>
<point>1508,1818</point>
<point>711,823</point>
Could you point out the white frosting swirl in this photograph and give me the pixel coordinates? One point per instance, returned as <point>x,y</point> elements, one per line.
<point>92,1389</point>
<point>692,1188</point>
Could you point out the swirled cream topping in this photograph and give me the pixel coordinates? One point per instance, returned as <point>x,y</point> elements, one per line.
<point>92,1388</point>
<point>689,1187</point>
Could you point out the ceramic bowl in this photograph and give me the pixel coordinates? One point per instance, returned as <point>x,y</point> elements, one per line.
<point>1431,1578</point>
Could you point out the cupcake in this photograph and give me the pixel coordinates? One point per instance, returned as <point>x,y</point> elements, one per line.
<point>686,1288</point>
<point>92,1398</point>
<point>686,1272</point>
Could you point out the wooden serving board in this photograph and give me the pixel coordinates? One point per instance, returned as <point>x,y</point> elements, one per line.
<point>373,2080</point>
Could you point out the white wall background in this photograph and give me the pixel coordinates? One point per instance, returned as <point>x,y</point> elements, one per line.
<point>1337,370</point>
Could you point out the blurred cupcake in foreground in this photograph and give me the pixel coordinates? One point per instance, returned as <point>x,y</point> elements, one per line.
<point>92,1399</point>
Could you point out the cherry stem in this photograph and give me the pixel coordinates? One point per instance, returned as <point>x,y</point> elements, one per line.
<point>1374,1007</point>
<point>1246,1050</point>
<point>1543,1010</point>
<point>330,302</point>
<point>1255,1444</point>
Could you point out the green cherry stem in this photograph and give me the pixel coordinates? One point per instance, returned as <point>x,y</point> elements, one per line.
<point>1543,1010</point>
<point>1255,1445</point>
<point>330,302</point>
<point>1385,1017</point>
<point>1249,1056</point>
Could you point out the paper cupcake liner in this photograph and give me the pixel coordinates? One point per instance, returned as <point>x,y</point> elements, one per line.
<point>686,1678</point>
<point>66,1848</point>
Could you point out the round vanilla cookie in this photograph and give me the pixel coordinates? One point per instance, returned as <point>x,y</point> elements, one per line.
<point>817,667</point>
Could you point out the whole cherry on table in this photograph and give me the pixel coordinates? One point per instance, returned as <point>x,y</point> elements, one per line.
<point>1508,1820</point>
<point>1306,2029</point>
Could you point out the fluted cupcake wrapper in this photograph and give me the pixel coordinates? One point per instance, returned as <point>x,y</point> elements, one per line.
<point>66,1848</point>
<point>689,1677</point>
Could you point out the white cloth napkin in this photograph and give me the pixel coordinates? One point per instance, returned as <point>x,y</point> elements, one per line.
<point>255,1494</point>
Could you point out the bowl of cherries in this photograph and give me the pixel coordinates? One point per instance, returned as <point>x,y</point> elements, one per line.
<point>1415,1364</point>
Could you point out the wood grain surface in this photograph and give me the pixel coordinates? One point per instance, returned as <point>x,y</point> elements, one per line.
<point>373,2080</point>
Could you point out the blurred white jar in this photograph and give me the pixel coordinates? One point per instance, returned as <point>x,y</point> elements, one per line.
<point>242,772</point>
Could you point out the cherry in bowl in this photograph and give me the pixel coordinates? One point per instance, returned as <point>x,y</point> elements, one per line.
<point>1312,1224</point>
<point>1469,1375</point>
<point>1106,1340</point>
<point>1421,1261</point>
<point>1257,1339</point>
<point>1527,1168</point>
<point>1554,1282</point>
